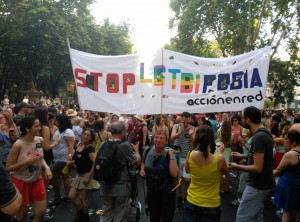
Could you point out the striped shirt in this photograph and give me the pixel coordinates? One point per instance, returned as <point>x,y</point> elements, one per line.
<point>184,141</point>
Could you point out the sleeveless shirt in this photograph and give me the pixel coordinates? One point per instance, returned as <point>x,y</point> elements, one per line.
<point>205,184</point>
<point>29,150</point>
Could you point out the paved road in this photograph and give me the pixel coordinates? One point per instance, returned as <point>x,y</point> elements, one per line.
<point>65,211</point>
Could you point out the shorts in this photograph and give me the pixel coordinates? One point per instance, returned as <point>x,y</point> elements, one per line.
<point>30,191</point>
<point>57,167</point>
<point>182,172</point>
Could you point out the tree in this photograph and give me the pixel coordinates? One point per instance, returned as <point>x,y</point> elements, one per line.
<point>237,25</point>
<point>33,42</point>
<point>283,78</point>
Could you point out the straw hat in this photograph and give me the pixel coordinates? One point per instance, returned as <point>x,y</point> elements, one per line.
<point>71,112</point>
<point>139,117</point>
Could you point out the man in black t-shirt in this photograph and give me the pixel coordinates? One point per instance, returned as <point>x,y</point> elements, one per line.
<point>260,167</point>
<point>10,198</point>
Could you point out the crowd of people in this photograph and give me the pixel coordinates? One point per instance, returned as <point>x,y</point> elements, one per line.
<point>186,160</point>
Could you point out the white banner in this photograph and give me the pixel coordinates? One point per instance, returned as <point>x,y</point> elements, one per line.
<point>170,82</point>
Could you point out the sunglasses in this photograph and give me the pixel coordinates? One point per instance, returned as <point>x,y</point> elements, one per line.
<point>235,120</point>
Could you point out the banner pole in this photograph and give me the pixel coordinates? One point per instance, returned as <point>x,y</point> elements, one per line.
<point>162,85</point>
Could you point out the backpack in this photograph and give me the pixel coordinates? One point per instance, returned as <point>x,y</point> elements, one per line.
<point>107,167</point>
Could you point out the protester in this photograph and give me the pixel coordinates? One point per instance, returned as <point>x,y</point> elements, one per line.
<point>279,143</point>
<point>113,118</point>
<point>5,101</point>
<point>64,138</point>
<point>289,115</point>
<point>90,123</point>
<point>203,200</point>
<point>259,166</point>
<point>116,197</point>
<point>287,194</point>
<point>214,123</point>
<point>225,136</point>
<point>160,125</point>
<point>139,133</point>
<point>51,123</point>
<point>182,138</point>
<point>237,130</point>
<point>84,158</point>
<point>25,162</point>
<point>77,129</point>
<point>8,135</point>
<point>42,116</point>
<point>244,175</point>
<point>160,169</point>
<point>71,113</point>
<point>21,110</point>
<point>102,135</point>
<point>10,198</point>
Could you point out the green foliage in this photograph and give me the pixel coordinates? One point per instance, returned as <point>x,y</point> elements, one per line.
<point>233,27</point>
<point>33,42</point>
<point>268,103</point>
<point>236,25</point>
<point>283,77</point>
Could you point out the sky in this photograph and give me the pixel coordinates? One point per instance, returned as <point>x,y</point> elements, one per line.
<point>149,20</point>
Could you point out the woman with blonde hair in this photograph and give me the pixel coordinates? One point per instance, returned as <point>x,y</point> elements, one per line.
<point>8,135</point>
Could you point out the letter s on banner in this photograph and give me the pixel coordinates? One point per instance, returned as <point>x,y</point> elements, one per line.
<point>80,78</point>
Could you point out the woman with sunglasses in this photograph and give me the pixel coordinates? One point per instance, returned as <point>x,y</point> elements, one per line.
<point>237,130</point>
<point>160,169</point>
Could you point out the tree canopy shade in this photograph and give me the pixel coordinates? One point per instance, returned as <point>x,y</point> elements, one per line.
<point>283,76</point>
<point>221,28</point>
<point>236,25</point>
<point>33,42</point>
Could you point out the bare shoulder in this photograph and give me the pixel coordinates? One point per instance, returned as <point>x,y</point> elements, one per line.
<point>220,157</point>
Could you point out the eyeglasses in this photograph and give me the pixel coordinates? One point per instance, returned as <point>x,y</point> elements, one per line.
<point>235,120</point>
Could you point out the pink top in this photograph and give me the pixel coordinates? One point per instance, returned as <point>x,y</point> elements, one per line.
<point>29,150</point>
<point>237,132</point>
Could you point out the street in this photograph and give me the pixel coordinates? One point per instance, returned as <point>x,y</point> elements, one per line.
<point>66,212</point>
